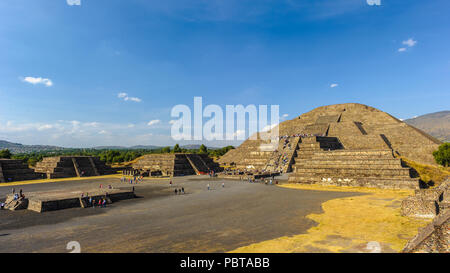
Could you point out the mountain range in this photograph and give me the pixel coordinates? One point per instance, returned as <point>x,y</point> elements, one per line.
<point>436,124</point>
<point>17,148</point>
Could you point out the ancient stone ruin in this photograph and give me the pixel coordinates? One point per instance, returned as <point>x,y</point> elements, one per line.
<point>72,166</point>
<point>430,203</point>
<point>15,170</point>
<point>343,144</point>
<point>175,164</point>
<point>58,200</point>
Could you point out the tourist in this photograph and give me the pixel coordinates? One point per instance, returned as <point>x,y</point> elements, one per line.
<point>170,183</point>
<point>208,187</point>
<point>20,192</point>
<point>13,190</point>
<point>100,202</point>
<point>176,191</point>
<point>182,190</point>
<point>90,201</point>
<point>2,206</point>
<point>223,185</point>
<point>104,202</point>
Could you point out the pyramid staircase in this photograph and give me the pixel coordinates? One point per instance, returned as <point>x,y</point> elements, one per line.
<point>322,162</point>
<point>282,159</point>
<point>72,166</point>
<point>15,170</point>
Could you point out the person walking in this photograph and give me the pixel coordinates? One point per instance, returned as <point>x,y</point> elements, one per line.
<point>182,190</point>
<point>223,185</point>
<point>176,191</point>
<point>208,187</point>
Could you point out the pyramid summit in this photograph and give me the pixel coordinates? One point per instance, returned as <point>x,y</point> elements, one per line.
<point>338,142</point>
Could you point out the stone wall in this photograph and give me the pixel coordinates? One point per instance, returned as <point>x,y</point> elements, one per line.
<point>15,170</point>
<point>72,166</point>
<point>427,203</point>
<point>430,203</point>
<point>175,164</point>
<point>434,238</point>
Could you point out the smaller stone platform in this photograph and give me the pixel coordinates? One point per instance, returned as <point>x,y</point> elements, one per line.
<point>57,200</point>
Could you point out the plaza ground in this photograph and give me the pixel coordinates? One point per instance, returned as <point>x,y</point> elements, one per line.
<point>240,217</point>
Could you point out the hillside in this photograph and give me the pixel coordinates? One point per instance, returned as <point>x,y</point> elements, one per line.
<point>436,124</point>
<point>16,148</point>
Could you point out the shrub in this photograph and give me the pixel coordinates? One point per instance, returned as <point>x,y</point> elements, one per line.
<point>442,155</point>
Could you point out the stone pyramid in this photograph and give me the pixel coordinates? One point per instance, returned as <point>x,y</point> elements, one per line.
<point>351,144</point>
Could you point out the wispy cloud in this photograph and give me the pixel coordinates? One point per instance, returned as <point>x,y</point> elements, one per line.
<point>408,43</point>
<point>125,97</point>
<point>38,80</point>
<point>153,122</point>
<point>333,85</point>
<point>73,2</point>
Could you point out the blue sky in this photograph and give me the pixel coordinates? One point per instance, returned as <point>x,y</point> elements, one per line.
<point>62,67</point>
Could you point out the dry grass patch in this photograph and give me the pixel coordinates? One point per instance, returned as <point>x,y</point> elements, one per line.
<point>428,173</point>
<point>349,224</point>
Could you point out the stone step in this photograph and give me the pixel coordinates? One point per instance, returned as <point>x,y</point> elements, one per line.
<point>353,172</point>
<point>380,161</point>
<point>374,182</point>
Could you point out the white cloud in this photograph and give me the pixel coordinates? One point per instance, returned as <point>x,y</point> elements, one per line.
<point>153,122</point>
<point>285,115</point>
<point>45,127</point>
<point>410,42</point>
<point>333,85</point>
<point>133,99</point>
<point>38,80</point>
<point>73,2</point>
<point>125,97</point>
<point>172,121</point>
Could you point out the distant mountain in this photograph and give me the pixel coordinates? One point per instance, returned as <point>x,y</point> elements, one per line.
<point>196,147</point>
<point>436,124</point>
<point>16,148</point>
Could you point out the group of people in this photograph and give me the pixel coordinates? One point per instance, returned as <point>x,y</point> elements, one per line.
<point>209,186</point>
<point>100,203</point>
<point>132,180</point>
<point>18,196</point>
<point>179,191</point>
<point>302,135</point>
<point>266,181</point>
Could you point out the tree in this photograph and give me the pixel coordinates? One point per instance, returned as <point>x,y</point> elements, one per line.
<point>165,150</point>
<point>203,149</point>
<point>177,149</point>
<point>442,155</point>
<point>5,153</point>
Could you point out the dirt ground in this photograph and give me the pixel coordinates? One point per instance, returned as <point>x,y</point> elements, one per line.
<point>218,220</point>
